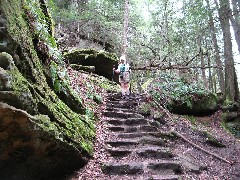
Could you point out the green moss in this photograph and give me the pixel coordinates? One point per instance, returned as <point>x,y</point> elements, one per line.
<point>62,122</point>
<point>192,119</point>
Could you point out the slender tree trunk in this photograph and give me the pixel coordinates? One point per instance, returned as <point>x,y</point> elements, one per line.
<point>214,81</point>
<point>230,78</point>
<point>202,63</point>
<point>210,79</point>
<point>218,61</point>
<point>235,20</point>
<point>125,28</point>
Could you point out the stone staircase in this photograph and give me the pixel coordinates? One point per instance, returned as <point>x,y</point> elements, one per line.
<point>138,148</point>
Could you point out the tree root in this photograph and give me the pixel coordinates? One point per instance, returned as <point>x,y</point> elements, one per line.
<point>174,132</point>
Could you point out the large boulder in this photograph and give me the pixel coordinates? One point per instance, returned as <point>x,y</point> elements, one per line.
<point>195,104</point>
<point>101,60</point>
<point>181,96</point>
<point>30,149</point>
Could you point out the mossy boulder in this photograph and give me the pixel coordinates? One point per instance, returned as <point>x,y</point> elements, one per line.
<point>78,67</point>
<point>195,104</point>
<point>46,129</point>
<point>231,121</point>
<point>30,149</point>
<point>101,60</point>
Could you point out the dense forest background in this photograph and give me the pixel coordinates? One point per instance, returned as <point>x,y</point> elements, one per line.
<point>198,40</point>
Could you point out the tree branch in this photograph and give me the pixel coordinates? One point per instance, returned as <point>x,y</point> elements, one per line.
<point>157,66</point>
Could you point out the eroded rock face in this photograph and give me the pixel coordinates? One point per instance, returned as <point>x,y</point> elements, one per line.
<point>102,61</point>
<point>19,97</point>
<point>42,134</point>
<point>27,151</point>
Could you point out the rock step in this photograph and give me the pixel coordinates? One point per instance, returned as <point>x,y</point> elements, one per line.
<point>131,129</point>
<point>121,114</point>
<point>128,122</point>
<point>123,169</point>
<point>144,152</point>
<point>127,142</point>
<point>118,152</point>
<point>156,153</point>
<point>159,134</point>
<point>121,104</point>
<point>164,177</point>
<point>133,168</point>
<point>167,167</point>
<point>120,109</point>
<point>145,140</point>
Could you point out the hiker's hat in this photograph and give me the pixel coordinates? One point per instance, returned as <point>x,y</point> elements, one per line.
<point>123,58</point>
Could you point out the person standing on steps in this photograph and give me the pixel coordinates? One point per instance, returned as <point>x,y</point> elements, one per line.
<point>124,76</point>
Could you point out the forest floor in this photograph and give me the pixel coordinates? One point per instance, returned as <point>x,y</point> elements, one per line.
<point>213,167</point>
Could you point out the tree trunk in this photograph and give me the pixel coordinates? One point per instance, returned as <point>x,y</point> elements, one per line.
<point>202,63</point>
<point>125,28</point>
<point>218,61</point>
<point>230,78</point>
<point>235,20</point>
<point>210,81</point>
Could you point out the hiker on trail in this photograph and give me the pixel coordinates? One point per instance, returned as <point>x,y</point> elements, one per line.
<point>124,75</point>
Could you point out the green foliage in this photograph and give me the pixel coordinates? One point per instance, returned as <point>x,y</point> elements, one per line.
<point>145,109</point>
<point>169,88</point>
<point>192,119</point>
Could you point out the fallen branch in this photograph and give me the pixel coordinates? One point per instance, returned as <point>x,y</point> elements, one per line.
<point>198,147</point>
<point>157,66</point>
<point>174,132</point>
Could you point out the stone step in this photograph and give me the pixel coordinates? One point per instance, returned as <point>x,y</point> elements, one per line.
<point>144,128</point>
<point>116,128</point>
<point>121,104</point>
<point>147,140</point>
<point>121,114</point>
<point>159,169</point>
<point>141,141</point>
<point>167,167</point>
<point>119,152</point>
<point>127,122</point>
<point>122,169</point>
<point>159,134</point>
<point>133,129</point>
<point>124,142</point>
<point>164,177</point>
<point>153,152</point>
<point>120,109</point>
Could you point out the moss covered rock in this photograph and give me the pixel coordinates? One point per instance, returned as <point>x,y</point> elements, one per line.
<point>45,127</point>
<point>30,149</point>
<point>101,60</point>
<point>195,104</point>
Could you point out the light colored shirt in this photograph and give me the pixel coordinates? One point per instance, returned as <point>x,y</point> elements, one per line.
<point>123,67</point>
